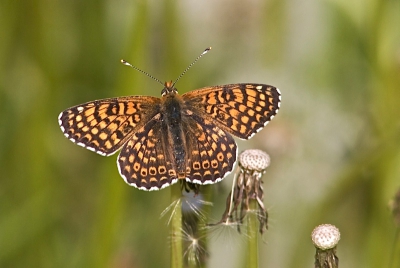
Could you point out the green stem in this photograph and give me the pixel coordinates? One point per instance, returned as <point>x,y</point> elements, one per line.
<point>395,259</point>
<point>201,233</point>
<point>176,228</point>
<point>252,236</point>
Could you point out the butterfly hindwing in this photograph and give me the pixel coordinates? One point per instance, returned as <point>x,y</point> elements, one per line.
<point>212,151</point>
<point>143,161</point>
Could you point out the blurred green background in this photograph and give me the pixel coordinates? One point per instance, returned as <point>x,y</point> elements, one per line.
<point>335,144</point>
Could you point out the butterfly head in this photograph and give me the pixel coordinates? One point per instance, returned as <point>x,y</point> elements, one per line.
<point>169,89</point>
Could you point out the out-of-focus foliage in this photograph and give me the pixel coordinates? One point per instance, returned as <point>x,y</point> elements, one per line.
<point>335,144</point>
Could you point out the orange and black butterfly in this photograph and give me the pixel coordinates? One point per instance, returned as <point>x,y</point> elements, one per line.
<point>176,136</point>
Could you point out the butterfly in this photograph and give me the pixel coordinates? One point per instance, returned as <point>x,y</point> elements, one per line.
<point>163,140</point>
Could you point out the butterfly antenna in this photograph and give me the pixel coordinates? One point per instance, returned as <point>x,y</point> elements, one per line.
<point>124,62</point>
<point>190,65</point>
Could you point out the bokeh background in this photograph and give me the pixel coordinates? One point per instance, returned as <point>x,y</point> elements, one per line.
<point>335,144</point>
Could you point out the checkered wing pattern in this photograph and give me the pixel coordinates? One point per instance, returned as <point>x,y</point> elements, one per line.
<point>240,109</point>
<point>145,161</point>
<point>161,137</point>
<point>103,126</point>
<point>212,152</point>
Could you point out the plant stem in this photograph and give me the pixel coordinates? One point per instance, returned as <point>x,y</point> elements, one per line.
<point>252,235</point>
<point>395,259</point>
<point>201,233</point>
<point>176,228</point>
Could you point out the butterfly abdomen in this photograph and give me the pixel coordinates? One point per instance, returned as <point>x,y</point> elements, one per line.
<point>172,110</point>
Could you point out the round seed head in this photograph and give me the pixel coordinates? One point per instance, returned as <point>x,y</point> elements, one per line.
<point>325,236</point>
<point>255,160</point>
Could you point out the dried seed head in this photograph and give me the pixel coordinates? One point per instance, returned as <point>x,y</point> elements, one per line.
<point>325,236</point>
<point>254,160</point>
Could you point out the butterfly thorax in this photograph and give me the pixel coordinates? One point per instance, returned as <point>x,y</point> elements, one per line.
<point>171,110</point>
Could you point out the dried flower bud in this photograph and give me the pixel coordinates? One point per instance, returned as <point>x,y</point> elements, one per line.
<point>254,160</point>
<point>325,236</point>
<point>248,188</point>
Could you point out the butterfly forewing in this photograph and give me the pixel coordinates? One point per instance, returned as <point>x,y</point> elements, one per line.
<point>105,125</point>
<point>240,109</point>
